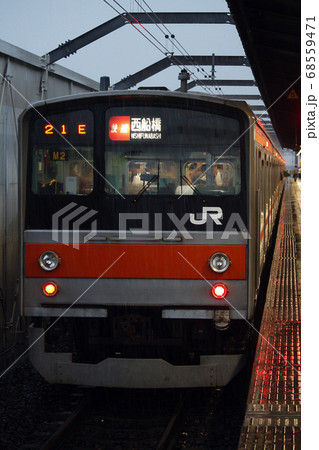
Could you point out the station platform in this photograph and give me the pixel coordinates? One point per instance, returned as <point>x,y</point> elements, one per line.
<point>273,412</point>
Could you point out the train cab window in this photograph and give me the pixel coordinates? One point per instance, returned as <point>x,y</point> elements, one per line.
<point>62,175</point>
<point>168,176</point>
<point>185,153</point>
<point>62,154</point>
<point>218,178</point>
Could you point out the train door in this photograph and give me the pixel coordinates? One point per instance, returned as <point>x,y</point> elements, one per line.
<point>261,209</point>
<point>267,210</point>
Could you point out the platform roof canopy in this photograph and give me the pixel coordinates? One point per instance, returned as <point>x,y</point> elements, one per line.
<point>270,33</point>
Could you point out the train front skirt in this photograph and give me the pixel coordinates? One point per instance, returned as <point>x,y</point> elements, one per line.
<point>213,370</point>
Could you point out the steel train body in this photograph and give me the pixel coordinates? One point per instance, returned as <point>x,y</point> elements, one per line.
<point>146,219</point>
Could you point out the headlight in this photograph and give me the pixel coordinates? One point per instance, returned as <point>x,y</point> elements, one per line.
<point>219,262</point>
<point>49,260</point>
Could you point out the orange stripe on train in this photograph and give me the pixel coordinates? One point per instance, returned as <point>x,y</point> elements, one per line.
<point>139,261</point>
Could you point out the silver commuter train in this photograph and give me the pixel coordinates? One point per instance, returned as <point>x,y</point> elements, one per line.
<point>146,217</point>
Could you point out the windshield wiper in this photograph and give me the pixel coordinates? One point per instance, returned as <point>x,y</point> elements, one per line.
<point>187,181</point>
<point>144,188</point>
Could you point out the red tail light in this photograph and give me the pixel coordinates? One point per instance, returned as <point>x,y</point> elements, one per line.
<point>219,290</point>
<point>50,289</point>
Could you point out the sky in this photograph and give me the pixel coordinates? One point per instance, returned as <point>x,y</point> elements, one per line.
<point>39,26</point>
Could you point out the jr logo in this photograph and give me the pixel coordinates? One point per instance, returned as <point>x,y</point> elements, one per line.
<point>215,213</point>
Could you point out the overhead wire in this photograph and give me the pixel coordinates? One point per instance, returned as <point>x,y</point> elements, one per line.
<point>191,58</point>
<point>179,63</point>
<point>131,23</point>
<point>181,47</point>
<point>169,36</point>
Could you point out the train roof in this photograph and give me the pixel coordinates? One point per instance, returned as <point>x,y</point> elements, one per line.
<point>149,93</point>
<point>164,93</point>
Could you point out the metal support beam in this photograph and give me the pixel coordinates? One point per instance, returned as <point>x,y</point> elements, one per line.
<point>182,17</point>
<point>213,66</point>
<point>240,96</point>
<point>182,61</point>
<point>217,83</point>
<point>71,46</point>
<point>226,82</point>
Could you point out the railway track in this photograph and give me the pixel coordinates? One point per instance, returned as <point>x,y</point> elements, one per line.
<point>154,420</point>
<point>36,416</point>
<point>68,426</point>
<point>139,423</point>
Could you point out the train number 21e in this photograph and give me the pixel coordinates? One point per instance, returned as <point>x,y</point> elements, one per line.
<point>62,129</point>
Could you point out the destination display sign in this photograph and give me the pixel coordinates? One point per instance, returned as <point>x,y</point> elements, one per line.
<point>127,128</point>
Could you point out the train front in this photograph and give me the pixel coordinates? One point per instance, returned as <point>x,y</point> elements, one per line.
<point>136,240</point>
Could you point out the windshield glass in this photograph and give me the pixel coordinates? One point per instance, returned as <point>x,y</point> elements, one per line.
<point>167,151</point>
